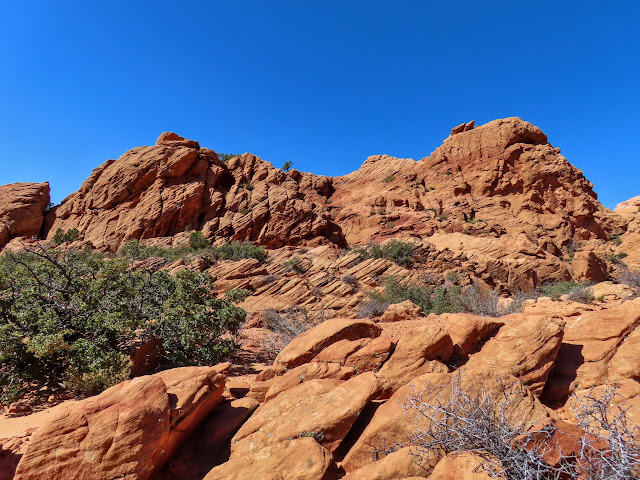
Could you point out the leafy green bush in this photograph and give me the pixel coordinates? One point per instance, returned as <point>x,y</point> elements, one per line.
<point>134,250</point>
<point>236,250</point>
<point>287,166</point>
<point>73,317</point>
<point>237,295</point>
<point>556,290</point>
<point>400,253</point>
<point>293,265</point>
<point>61,236</point>
<point>197,241</point>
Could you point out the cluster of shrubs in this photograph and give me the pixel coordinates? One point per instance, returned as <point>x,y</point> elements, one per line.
<point>400,253</point>
<point>438,299</point>
<point>198,244</point>
<point>71,318</point>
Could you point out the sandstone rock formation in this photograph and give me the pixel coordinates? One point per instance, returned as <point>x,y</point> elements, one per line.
<point>128,431</point>
<point>22,208</point>
<point>175,185</point>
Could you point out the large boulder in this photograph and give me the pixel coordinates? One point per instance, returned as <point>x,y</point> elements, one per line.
<point>302,459</point>
<point>422,350</point>
<point>591,341</point>
<point>322,409</point>
<point>525,347</point>
<point>588,266</point>
<point>22,207</point>
<point>128,431</point>
<point>461,466</point>
<point>468,332</point>
<point>308,344</point>
<point>399,464</point>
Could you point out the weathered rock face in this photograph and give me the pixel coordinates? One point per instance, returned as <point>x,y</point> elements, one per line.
<point>302,458</point>
<point>597,347</point>
<point>22,207</point>
<point>128,431</point>
<point>175,185</point>
<point>524,347</point>
<point>496,200</point>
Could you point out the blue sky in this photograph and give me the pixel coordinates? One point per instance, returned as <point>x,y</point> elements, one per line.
<point>323,84</point>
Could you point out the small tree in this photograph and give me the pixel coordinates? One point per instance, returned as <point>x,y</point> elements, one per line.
<point>287,166</point>
<point>197,241</point>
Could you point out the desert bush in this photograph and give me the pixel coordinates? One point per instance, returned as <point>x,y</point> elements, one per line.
<point>237,295</point>
<point>134,250</point>
<point>448,298</point>
<point>372,308</point>
<point>629,277</point>
<point>293,265</point>
<point>287,325</point>
<point>287,166</point>
<point>350,280</point>
<point>400,253</point>
<point>582,294</point>
<point>72,317</point>
<point>197,241</point>
<point>557,289</point>
<point>458,420</point>
<point>61,236</point>
<point>236,250</point>
<point>617,258</point>
<point>267,279</point>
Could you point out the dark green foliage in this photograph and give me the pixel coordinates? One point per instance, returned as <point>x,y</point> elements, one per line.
<point>389,179</point>
<point>556,290</point>
<point>237,295</point>
<point>134,250</point>
<point>197,241</point>
<point>73,317</point>
<point>287,166</point>
<point>236,250</point>
<point>616,239</point>
<point>69,236</point>
<point>400,253</point>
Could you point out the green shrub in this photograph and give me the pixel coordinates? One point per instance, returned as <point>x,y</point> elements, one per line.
<point>293,265</point>
<point>556,290</point>
<point>61,236</point>
<point>73,317</point>
<point>237,295</point>
<point>440,299</point>
<point>389,179</point>
<point>615,239</point>
<point>400,253</point>
<point>287,166</point>
<point>197,241</point>
<point>134,250</point>
<point>236,250</point>
<point>616,258</point>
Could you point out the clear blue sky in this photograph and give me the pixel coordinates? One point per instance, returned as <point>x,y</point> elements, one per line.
<point>321,83</point>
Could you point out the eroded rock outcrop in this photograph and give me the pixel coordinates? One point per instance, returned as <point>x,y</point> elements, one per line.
<point>128,431</point>
<point>22,208</point>
<point>175,186</point>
